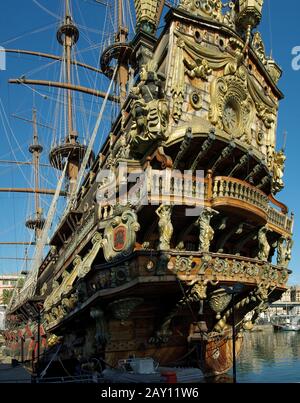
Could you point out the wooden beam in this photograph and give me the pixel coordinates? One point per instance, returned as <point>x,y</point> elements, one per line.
<point>23,163</point>
<point>50,56</point>
<point>18,243</point>
<point>15,258</point>
<point>66,86</point>
<point>28,190</point>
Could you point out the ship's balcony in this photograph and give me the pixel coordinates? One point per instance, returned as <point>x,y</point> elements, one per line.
<point>225,194</point>
<point>233,193</point>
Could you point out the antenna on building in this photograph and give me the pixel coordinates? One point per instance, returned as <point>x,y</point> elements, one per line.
<point>284,140</point>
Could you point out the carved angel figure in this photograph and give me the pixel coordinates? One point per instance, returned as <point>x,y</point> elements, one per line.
<point>149,110</point>
<point>165,226</point>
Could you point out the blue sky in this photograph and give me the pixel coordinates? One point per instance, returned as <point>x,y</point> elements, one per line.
<point>24,25</point>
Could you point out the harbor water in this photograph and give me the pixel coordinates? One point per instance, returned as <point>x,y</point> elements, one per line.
<point>269,357</point>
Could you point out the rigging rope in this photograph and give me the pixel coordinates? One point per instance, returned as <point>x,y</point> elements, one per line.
<point>93,137</point>
<point>46,10</point>
<point>29,287</point>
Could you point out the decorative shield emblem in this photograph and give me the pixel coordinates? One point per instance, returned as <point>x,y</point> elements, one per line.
<point>119,237</point>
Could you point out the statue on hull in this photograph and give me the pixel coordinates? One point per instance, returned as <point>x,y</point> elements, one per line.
<point>150,114</point>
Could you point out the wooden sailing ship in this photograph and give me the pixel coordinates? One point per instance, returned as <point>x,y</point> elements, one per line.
<point>149,268</point>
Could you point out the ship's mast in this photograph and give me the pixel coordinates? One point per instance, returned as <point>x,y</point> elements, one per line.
<point>123,63</point>
<point>70,150</point>
<point>68,43</point>
<point>37,222</point>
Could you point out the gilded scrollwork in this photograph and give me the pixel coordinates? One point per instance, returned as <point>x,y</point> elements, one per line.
<point>232,109</point>
<point>197,69</point>
<point>85,267</point>
<point>183,264</point>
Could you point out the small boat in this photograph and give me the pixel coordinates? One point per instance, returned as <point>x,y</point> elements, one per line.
<point>286,322</point>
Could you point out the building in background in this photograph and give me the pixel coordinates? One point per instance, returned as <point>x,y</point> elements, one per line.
<point>7,285</point>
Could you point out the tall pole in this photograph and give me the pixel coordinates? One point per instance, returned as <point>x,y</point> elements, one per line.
<point>69,34</point>
<point>68,49</point>
<point>36,160</point>
<point>123,68</point>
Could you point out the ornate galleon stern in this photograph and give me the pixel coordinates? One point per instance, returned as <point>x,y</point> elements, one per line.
<point>146,278</point>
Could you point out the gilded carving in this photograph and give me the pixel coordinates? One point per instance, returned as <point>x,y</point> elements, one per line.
<point>53,340</point>
<point>198,289</point>
<point>197,69</point>
<point>178,86</point>
<point>219,301</point>
<point>150,111</point>
<point>259,47</point>
<point>183,264</point>
<point>196,100</point>
<point>266,114</point>
<point>86,265</point>
<point>284,249</point>
<point>206,234</point>
<point>232,109</point>
<point>165,226</point>
<point>123,308</point>
<point>263,244</point>
<point>120,235</point>
<point>278,170</point>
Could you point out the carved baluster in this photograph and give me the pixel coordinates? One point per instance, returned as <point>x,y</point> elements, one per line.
<point>231,188</point>
<point>227,188</point>
<point>221,188</point>
<point>215,189</point>
<point>105,212</point>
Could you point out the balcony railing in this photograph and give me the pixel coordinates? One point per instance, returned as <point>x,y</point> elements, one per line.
<point>237,189</point>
